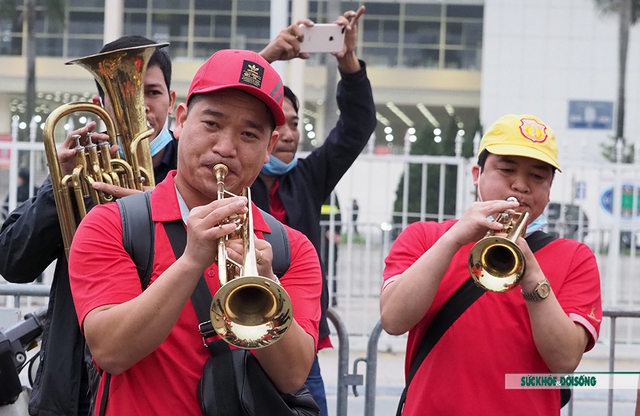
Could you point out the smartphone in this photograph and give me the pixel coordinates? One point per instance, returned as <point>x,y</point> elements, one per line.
<point>322,37</point>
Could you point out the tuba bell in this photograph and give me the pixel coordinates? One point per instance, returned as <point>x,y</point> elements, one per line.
<point>121,75</point>
<point>248,311</point>
<point>496,263</point>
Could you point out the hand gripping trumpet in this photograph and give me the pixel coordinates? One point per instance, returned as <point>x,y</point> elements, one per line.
<point>248,311</point>
<point>496,263</point>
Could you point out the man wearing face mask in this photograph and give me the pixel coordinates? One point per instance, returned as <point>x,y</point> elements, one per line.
<point>30,240</point>
<point>293,190</point>
<point>542,326</point>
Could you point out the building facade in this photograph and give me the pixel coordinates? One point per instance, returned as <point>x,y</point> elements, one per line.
<point>421,55</point>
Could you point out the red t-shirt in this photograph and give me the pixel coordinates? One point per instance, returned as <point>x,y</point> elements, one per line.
<point>464,374</point>
<point>101,273</point>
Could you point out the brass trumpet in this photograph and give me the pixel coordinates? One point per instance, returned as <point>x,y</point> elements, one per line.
<point>248,311</point>
<point>496,263</point>
<point>121,75</point>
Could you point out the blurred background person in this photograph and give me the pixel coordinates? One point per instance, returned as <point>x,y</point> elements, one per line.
<point>293,190</point>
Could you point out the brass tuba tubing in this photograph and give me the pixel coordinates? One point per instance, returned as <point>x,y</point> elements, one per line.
<point>248,311</point>
<point>496,263</point>
<point>121,75</point>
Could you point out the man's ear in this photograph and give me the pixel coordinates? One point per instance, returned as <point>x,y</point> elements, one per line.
<point>272,142</point>
<point>475,172</point>
<point>181,116</point>
<point>172,101</point>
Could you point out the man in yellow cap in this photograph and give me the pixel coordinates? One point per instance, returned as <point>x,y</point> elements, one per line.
<point>480,345</point>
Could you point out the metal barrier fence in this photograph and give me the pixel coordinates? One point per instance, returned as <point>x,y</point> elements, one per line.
<point>372,358</point>
<point>354,379</point>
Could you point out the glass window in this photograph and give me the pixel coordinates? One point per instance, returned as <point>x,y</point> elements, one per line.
<point>468,59</point>
<point>171,24</point>
<point>384,9</point>
<point>371,30</point>
<point>377,56</point>
<point>256,46</point>
<point>83,47</point>
<point>49,46</point>
<point>135,24</point>
<point>203,26</point>
<point>454,33</point>
<point>351,5</point>
<point>179,48</point>
<point>465,11</point>
<point>421,58</point>
<point>472,33</point>
<point>253,27</point>
<point>203,50</point>
<point>86,23</point>
<point>10,43</point>
<point>171,4</point>
<point>87,3</point>
<point>390,29</point>
<point>421,10</point>
<point>134,4</point>
<point>422,32</point>
<point>254,6</point>
<point>219,5</point>
<point>222,26</point>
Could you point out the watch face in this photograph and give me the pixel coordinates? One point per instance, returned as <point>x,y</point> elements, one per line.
<point>544,289</point>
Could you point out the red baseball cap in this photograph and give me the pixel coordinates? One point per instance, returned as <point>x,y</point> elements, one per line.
<point>245,71</point>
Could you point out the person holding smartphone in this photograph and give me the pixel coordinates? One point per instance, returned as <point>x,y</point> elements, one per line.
<point>293,190</point>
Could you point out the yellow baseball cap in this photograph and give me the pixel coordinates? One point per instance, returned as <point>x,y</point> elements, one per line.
<point>521,135</point>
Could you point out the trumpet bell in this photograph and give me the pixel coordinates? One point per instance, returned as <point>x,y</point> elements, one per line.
<point>251,312</point>
<point>496,264</point>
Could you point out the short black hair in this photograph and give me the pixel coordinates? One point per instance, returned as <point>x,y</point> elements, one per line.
<point>160,57</point>
<point>292,97</point>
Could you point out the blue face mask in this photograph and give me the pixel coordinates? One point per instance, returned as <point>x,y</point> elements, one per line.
<point>158,143</point>
<point>538,224</point>
<point>161,140</point>
<point>277,167</point>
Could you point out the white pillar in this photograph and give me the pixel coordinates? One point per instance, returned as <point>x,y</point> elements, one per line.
<point>278,21</point>
<point>113,20</point>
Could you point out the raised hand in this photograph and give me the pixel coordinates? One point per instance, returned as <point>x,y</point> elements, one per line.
<point>286,45</point>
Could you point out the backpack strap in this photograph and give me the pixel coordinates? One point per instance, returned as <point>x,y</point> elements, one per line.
<point>279,240</point>
<point>138,233</point>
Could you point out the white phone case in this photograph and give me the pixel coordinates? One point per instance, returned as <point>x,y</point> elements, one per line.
<point>322,37</point>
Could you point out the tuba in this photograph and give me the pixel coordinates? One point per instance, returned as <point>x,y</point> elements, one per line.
<point>121,75</point>
<point>248,311</point>
<point>496,263</point>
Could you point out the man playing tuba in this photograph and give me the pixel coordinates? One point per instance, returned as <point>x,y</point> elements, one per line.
<point>31,239</point>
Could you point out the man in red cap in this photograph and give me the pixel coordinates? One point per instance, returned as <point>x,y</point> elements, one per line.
<point>542,326</point>
<point>148,340</point>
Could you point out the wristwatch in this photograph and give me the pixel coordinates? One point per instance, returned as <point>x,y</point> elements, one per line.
<point>541,292</point>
